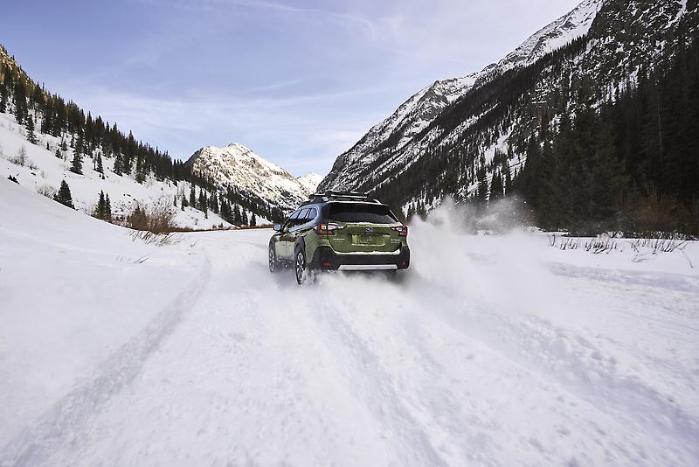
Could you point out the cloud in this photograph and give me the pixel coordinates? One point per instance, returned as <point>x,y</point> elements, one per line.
<point>455,31</point>
<point>358,21</point>
<point>296,82</point>
<point>351,19</point>
<point>280,129</point>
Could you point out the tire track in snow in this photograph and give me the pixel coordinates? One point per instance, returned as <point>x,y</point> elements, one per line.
<point>376,389</point>
<point>62,424</point>
<point>574,363</point>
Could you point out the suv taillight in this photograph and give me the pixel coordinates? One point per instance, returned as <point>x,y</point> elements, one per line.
<point>402,230</point>
<point>325,230</point>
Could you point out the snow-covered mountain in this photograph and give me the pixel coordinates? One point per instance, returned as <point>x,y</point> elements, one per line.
<point>568,27</point>
<point>453,137</point>
<point>416,114</point>
<point>240,168</point>
<point>310,181</point>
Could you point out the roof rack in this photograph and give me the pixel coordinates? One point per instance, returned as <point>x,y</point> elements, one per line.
<point>342,196</point>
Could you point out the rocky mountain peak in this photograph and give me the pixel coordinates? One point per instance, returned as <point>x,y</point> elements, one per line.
<point>244,170</point>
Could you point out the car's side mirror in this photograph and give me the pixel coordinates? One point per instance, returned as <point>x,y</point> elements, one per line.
<point>277,227</point>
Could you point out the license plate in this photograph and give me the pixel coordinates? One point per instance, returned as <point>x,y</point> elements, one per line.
<point>366,239</point>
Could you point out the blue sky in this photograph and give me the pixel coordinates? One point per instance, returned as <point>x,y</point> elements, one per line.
<point>299,82</point>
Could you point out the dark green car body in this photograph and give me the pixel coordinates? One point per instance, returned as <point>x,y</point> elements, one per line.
<point>340,232</point>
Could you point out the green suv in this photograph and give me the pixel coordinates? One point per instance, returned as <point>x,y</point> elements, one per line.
<point>339,231</point>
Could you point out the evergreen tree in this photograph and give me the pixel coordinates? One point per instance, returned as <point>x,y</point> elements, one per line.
<point>107,209</point>
<point>138,219</point>
<point>100,208</point>
<point>20,102</point>
<point>507,183</point>
<point>63,196</point>
<point>77,163</point>
<point>100,167</point>
<point>237,219</point>
<point>226,213</point>
<point>79,144</point>
<point>140,170</point>
<point>253,220</point>
<point>496,187</point>
<point>46,124</point>
<point>245,217</point>
<point>127,163</point>
<point>118,164</point>
<point>482,188</point>
<point>203,203</point>
<point>193,196</point>
<point>58,153</point>
<point>421,210</point>
<point>31,137</point>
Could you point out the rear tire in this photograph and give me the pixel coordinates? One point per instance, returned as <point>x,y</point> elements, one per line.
<point>300,266</point>
<point>273,263</point>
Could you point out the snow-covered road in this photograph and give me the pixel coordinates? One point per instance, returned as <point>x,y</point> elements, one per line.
<point>492,351</point>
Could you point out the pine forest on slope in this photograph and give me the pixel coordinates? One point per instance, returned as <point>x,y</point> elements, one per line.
<point>474,145</point>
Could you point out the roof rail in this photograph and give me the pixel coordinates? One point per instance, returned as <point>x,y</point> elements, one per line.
<point>331,195</point>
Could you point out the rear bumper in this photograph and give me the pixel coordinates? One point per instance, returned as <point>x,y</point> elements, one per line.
<point>325,258</point>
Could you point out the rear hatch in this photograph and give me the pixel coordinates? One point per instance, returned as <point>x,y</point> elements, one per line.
<point>364,228</point>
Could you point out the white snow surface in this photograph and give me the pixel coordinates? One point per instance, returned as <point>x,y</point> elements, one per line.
<point>240,167</point>
<point>493,350</point>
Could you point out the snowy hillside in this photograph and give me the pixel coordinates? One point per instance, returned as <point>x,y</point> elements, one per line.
<point>541,357</point>
<point>46,139</point>
<point>244,170</point>
<point>420,110</point>
<point>39,170</point>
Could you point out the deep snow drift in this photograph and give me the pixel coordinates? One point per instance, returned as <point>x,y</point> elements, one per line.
<point>493,350</point>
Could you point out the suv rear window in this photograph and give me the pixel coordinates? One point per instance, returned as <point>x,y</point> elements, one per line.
<point>312,213</point>
<point>360,212</point>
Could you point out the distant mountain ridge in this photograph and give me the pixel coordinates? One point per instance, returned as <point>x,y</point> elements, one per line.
<point>421,109</point>
<point>247,172</point>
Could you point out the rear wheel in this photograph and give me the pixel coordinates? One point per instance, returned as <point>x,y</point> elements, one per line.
<point>273,263</point>
<point>300,266</point>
